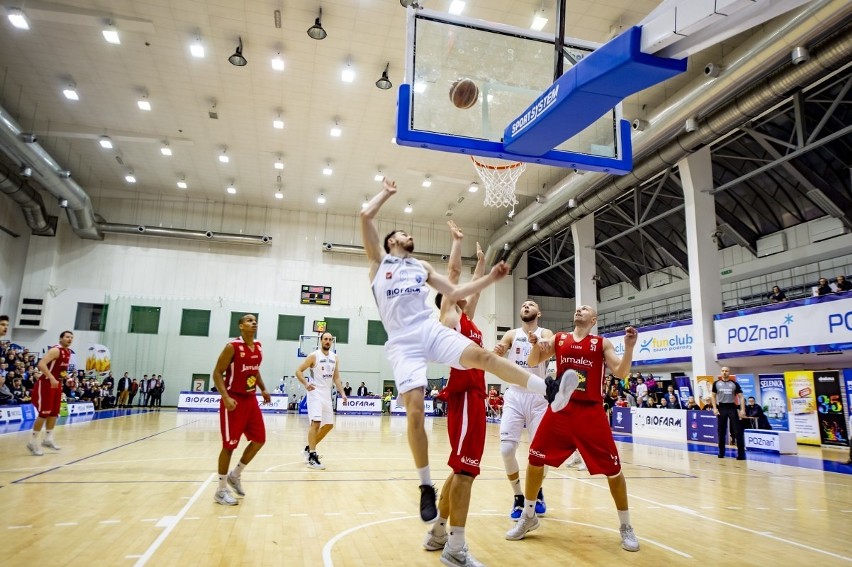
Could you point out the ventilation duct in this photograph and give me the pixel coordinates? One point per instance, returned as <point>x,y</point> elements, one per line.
<point>206,235</point>
<point>760,54</point>
<point>30,202</point>
<point>359,251</point>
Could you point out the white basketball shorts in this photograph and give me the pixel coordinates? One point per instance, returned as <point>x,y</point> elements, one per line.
<point>521,408</point>
<point>429,341</point>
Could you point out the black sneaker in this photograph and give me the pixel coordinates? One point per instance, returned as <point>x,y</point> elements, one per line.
<point>314,462</point>
<point>552,387</point>
<point>428,499</point>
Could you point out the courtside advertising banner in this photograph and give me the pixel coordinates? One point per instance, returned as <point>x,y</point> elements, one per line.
<point>622,421</point>
<point>659,423</point>
<point>801,402</point>
<point>397,408</point>
<point>209,401</point>
<point>704,390</point>
<point>683,387</point>
<point>702,426</point>
<point>773,396</point>
<point>830,412</point>
<point>815,324</point>
<point>658,344</point>
<point>746,382</point>
<point>360,406</point>
<point>847,376</point>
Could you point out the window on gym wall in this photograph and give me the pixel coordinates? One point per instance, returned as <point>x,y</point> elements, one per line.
<point>144,320</point>
<point>90,317</point>
<point>339,328</point>
<point>290,327</point>
<point>234,329</point>
<point>195,323</point>
<point>376,334</point>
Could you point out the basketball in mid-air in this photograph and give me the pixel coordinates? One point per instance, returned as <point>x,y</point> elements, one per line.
<point>464,93</point>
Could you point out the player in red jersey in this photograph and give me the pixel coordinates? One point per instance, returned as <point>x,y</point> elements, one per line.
<point>237,377</point>
<point>47,392</point>
<point>465,396</point>
<point>581,424</point>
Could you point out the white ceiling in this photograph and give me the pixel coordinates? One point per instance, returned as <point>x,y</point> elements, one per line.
<point>65,44</point>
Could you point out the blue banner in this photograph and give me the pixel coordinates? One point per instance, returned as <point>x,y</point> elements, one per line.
<point>773,397</point>
<point>622,421</point>
<point>746,382</point>
<point>847,376</point>
<point>701,426</point>
<point>683,387</point>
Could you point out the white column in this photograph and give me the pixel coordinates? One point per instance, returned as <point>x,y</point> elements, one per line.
<point>704,281</point>
<point>585,272</point>
<point>521,290</point>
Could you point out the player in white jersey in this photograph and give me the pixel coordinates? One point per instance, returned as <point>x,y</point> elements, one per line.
<point>415,338</point>
<point>324,367</point>
<point>521,407</point>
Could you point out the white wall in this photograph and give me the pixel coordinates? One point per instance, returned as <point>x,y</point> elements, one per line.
<point>13,252</point>
<point>176,274</point>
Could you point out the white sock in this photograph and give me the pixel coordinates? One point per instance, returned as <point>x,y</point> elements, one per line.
<point>425,476</point>
<point>624,517</point>
<point>529,508</point>
<point>35,435</point>
<point>439,528</point>
<point>537,385</point>
<point>223,484</point>
<point>49,435</point>
<point>456,540</point>
<point>238,470</point>
<point>516,486</point>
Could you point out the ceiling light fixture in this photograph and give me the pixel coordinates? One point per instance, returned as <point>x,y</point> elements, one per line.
<point>278,62</point>
<point>408,208</point>
<point>166,150</point>
<point>279,195</point>
<point>379,176</point>
<point>348,74</point>
<point>197,48</point>
<point>143,103</point>
<point>231,189</point>
<point>278,124</point>
<point>473,188</point>
<point>70,92</point>
<point>111,34</point>
<point>327,170</point>
<point>456,7</point>
<point>419,87</point>
<point>182,183</point>
<point>130,178</point>
<point>316,31</point>
<point>105,142</point>
<point>18,19</point>
<point>383,82</point>
<point>365,202</point>
<point>279,164</point>
<point>321,199</point>
<point>539,21</point>
<point>427,182</point>
<point>335,130</point>
<point>237,58</point>
<point>224,157</point>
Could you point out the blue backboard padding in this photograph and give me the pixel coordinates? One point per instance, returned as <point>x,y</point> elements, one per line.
<point>406,136</point>
<point>586,91</point>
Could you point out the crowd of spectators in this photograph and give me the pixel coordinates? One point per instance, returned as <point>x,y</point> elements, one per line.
<point>823,287</point>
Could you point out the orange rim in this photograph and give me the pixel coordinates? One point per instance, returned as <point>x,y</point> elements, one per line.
<point>486,166</point>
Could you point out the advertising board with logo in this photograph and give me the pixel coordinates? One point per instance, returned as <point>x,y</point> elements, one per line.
<point>659,424</point>
<point>209,401</point>
<point>801,403</point>
<point>659,344</point>
<point>360,406</point>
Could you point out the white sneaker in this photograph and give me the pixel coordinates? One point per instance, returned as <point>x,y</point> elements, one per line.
<point>629,541</point>
<point>434,542</point>
<point>50,444</point>
<point>35,449</point>
<point>314,463</point>
<point>235,483</point>
<point>567,385</point>
<point>524,525</point>
<point>460,558</point>
<point>225,498</point>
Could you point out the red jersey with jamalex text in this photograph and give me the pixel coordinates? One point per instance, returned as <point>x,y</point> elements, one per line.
<point>59,366</point>
<point>471,379</point>
<point>241,375</point>
<point>586,358</point>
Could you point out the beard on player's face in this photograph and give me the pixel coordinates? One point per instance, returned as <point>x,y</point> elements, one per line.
<point>408,245</point>
<point>527,317</point>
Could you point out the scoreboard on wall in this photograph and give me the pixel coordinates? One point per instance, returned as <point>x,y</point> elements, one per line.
<point>316,295</point>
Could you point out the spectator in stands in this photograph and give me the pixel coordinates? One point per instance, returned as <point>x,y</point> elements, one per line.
<point>664,404</point>
<point>755,412</point>
<point>123,390</point>
<point>672,399</point>
<point>21,394</point>
<point>386,400</point>
<point>4,368</point>
<point>691,404</point>
<point>777,296</point>
<point>641,392</point>
<point>143,391</point>
<point>158,394</point>
<point>842,284</point>
<point>362,389</point>
<point>823,288</point>
<point>6,396</point>
<point>621,402</point>
<point>134,389</point>
<point>347,389</point>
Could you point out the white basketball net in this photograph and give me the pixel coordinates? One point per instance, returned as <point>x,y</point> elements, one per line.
<point>499,179</point>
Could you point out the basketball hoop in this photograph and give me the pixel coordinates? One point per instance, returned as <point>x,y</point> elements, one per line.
<point>500,181</point>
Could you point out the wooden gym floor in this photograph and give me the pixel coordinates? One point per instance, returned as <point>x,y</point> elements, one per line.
<point>138,490</point>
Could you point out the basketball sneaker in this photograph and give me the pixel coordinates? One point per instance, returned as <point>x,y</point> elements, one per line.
<point>50,444</point>
<point>235,483</point>
<point>307,453</point>
<point>314,462</point>
<point>434,542</point>
<point>540,506</point>
<point>525,525</point>
<point>517,507</point>
<point>629,541</point>
<point>428,506</point>
<point>567,384</point>
<point>225,498</point>
<point>35,449</point>
<point>460,558</point>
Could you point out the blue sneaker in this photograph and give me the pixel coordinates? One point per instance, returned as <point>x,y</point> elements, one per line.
<point>517,508</point>
<point>540,506</point>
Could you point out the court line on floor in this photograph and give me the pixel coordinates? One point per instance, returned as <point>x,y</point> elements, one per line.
<point>51,469</point>
<point>176,519</point>
<point>693,513</point>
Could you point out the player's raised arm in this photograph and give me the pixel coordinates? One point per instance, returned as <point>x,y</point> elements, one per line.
<point>455,292</point>
<point>369,233</point>
<point>621,366</point>
<point>542,349</point>
<point>478,272</point>
<point>455,262</point>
